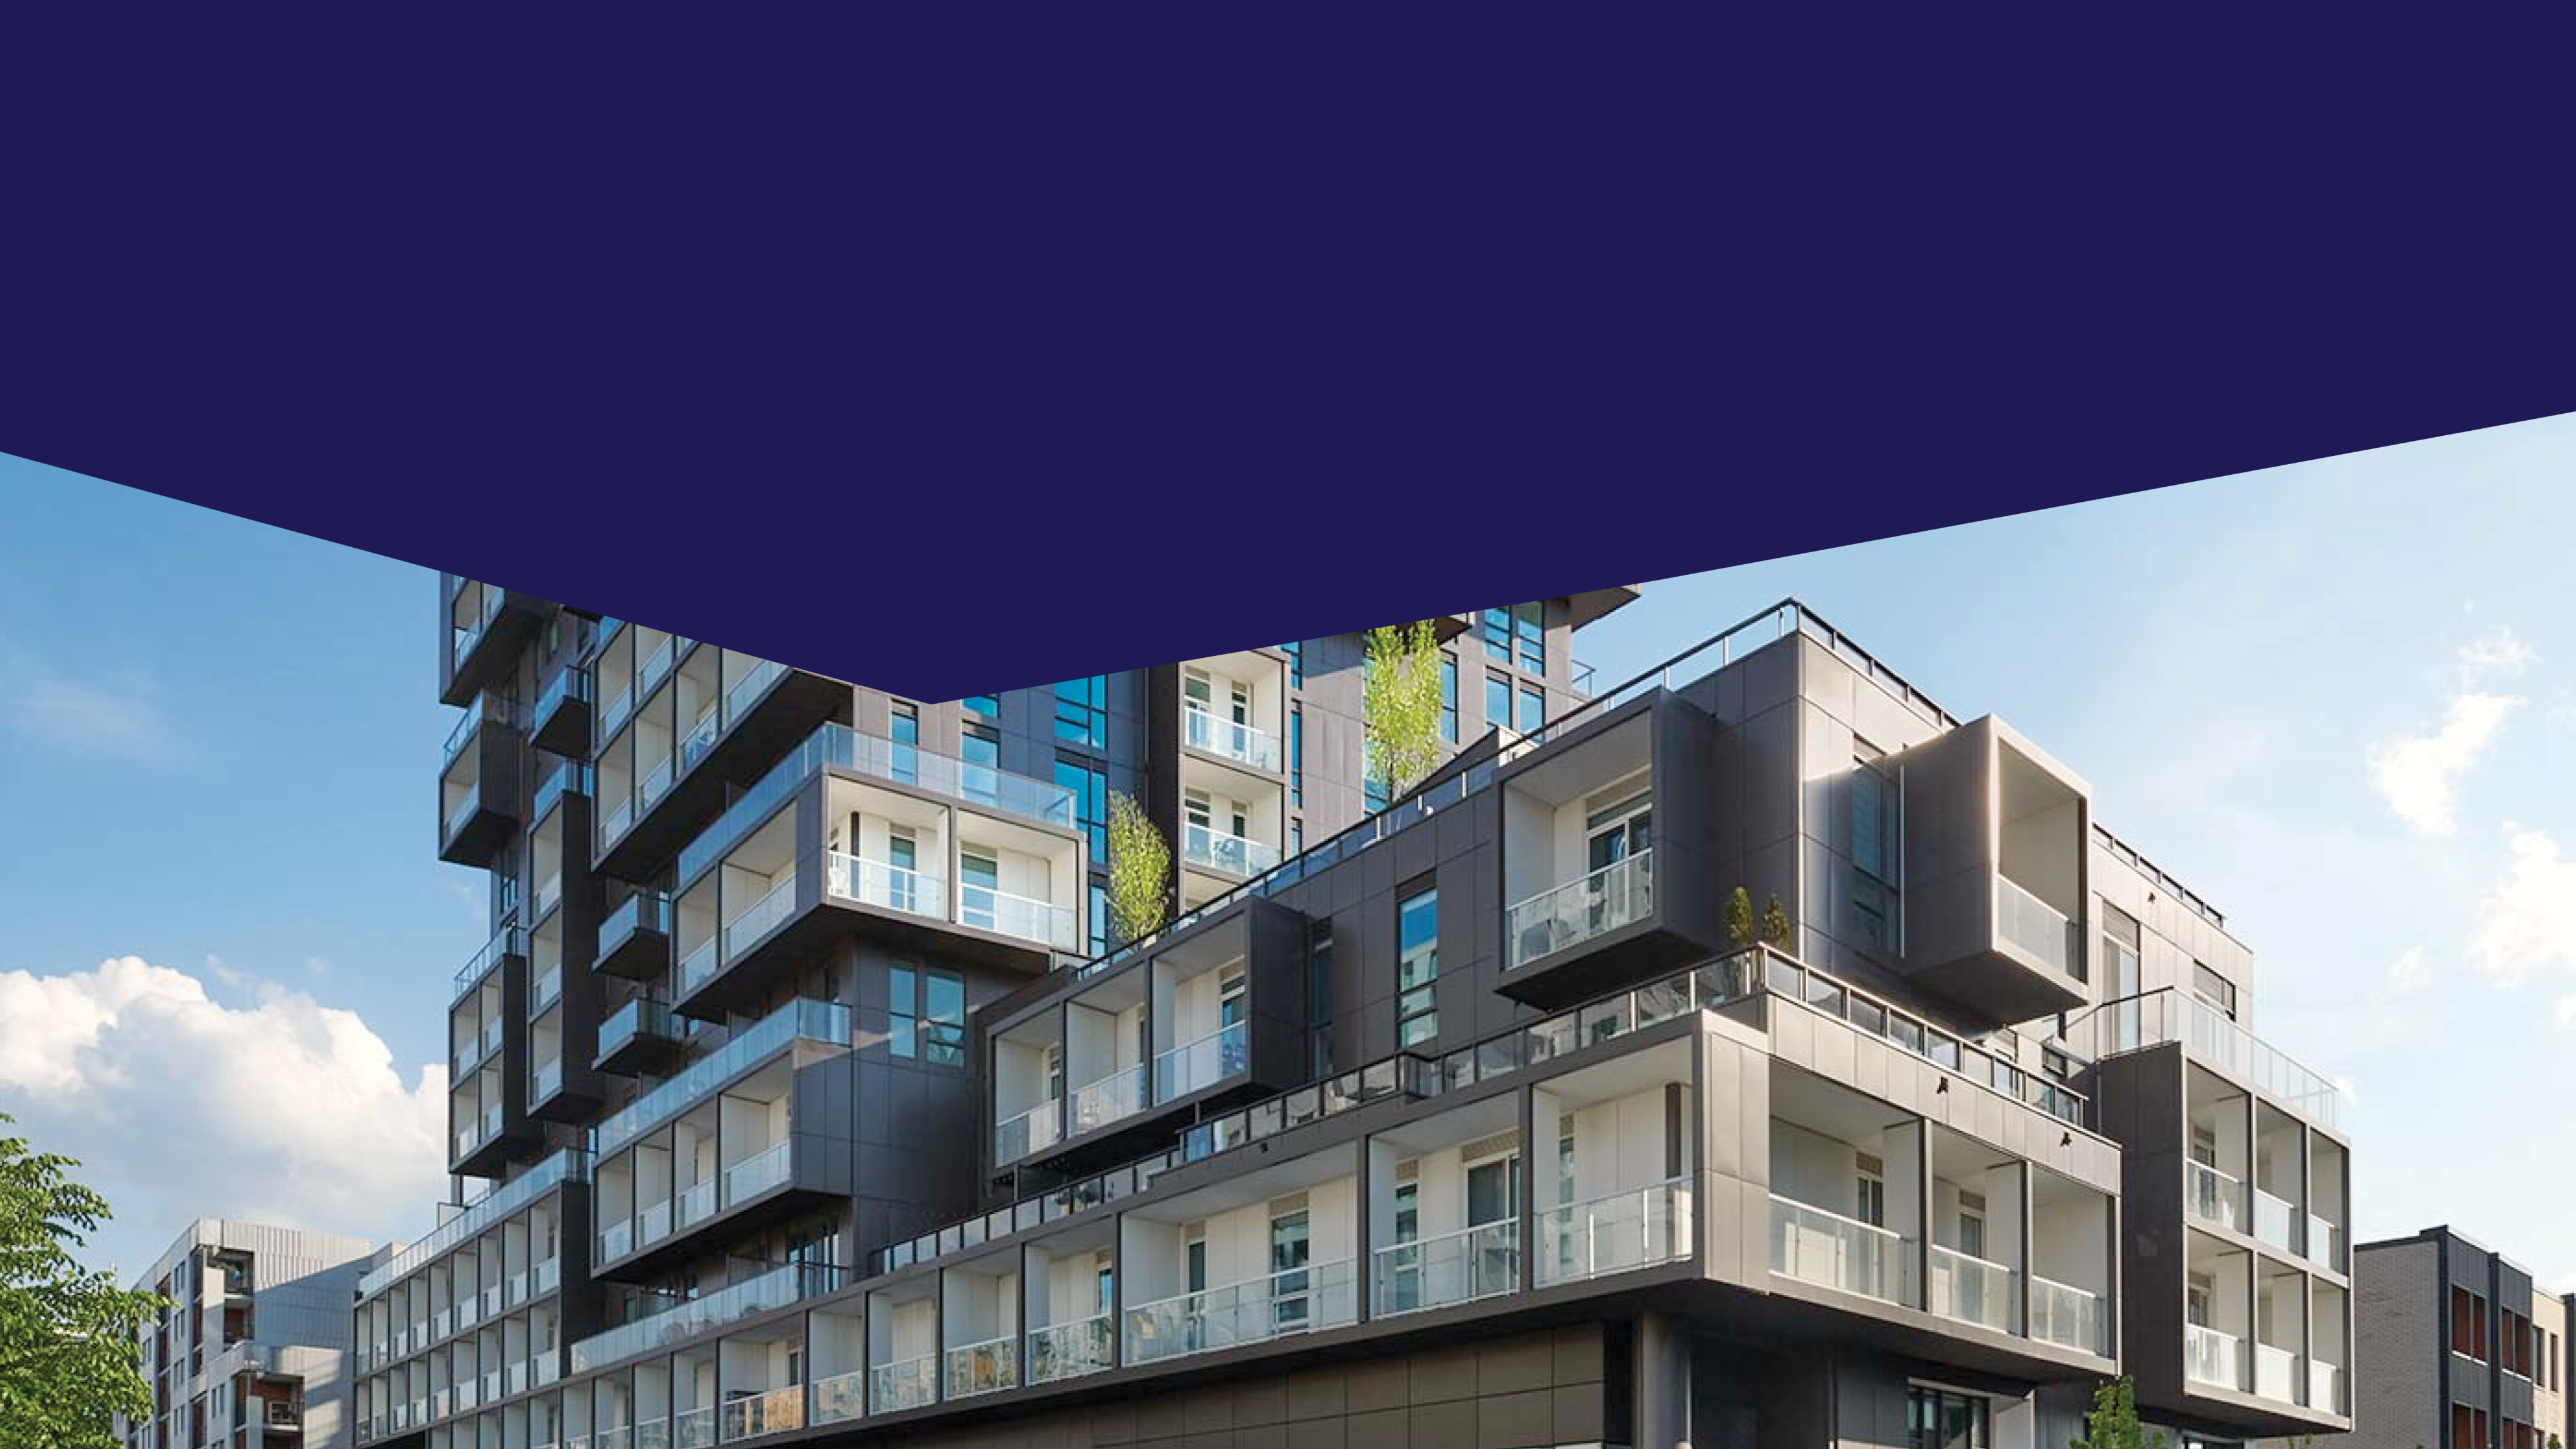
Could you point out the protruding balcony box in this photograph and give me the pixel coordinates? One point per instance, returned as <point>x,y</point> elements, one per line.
<point>1609,860</point>
<point>750,1134</point>
<point>1444,1222</point>
<point>487,1101</point>
<point>760,1388</point>
<point>1281,1247</point>
<point>1028,1088</point>
<point>1220,767</point>
<point>478,788</point>
<point>563,1014</point>
<point>1996,857</point>
<point>483,625</point>
<point>640,1036</point>
<point>560,722</point>
<point>635,938</point>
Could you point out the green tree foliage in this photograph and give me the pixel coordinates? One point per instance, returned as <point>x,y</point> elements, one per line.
<point>69,1353</point>
<point>1775,924</point>
<point>1739,918</point>
<point>1401,698</point>
<point>2113,1423</point>
<point>1140,869</point>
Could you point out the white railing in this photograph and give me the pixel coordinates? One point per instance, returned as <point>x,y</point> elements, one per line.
<point>1594,905</point>
<point>1222,1053</point>
<point>907,1385</point>
<point>773,1412</point>
<point>2066,1316</point>
<point>840,1398</point>
<point>1070,1350</point>
<point>1453,1268</point>
<point>1300,1300</point>
<point>759,1173</point>
<point>1623,1230</point>
<point>875,883</point>
<point>1816,1246</point>
<point>2274,1221</point>
<point>2325,1386</point>
<point>2209,1194</point>
<point>1119,1095</point>
<point>2276,1373</point>
<point>1204,845</point>
<point>2212,1357</point>
<point>1972,1290</point>
<point>2032,924</point>
<point>761,917</point>
<point>1256,747</point>
<point>2324,1247</point>
<point>982,1368</point>
<point>999,911</point>
<point>1030,1131</point>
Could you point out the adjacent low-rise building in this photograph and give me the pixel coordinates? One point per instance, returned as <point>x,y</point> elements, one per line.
<point>253,1352</point>
<point>2456,1348</point>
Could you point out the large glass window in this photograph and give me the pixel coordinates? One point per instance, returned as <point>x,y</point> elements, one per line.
<point>980,746</point>
<point>926,1015</point>
<point>1082,711</point>
<point>902,1006</point>
<point>1417,968</point>
<point>1877,854</point>
<point>1939,1419</point>
<point>1498,701</point>
<point>1297,756</point>
<point>1495,625</point>
<point>906,728</point>
<point>1530,627</point>
<point>1533,715</point>
<point>987,705</point>
<point>1090,787</point>
<point>1296,653</point>
<point>1449,697</point>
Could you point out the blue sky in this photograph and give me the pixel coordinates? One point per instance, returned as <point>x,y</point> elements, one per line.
<point>2337,699</point>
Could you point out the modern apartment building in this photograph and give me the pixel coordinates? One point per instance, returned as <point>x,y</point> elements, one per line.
<point>254,1351</point>
<point>2456,1348</point>
<point>816,1105</point>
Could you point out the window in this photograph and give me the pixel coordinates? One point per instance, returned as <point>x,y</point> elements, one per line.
<point>1099,919</point>
<point>980,746</point>
<point>1296,653</point>
<point>2468,1324</point>
<point>1940,1419</point>
<point>1297,756</point>
<point>979,893</point>
<point>1877,853</point>
<point>1290,1249</point>
<point>1533,709</point>
<point>1319,998</point>
<point>1529,624</point>
<point>926,1016</point>
<point>2213,988</point>
<point>1498,700</point>
<point>1496,626</point>
<point>1417,969</point>
<point>1090,787</point>
<point>1449,697</point>
<point>906,729</point>
<point>1869,1191</point>
<point>1082,711</point>
<point>2120,962</point>
<point>901,1036</point>
<point>989,706</point>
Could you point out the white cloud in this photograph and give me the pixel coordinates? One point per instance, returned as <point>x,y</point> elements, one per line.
<point>2528,923</point>
<point>2410,971</point>
<point>2418,775</point>
<point>2501,652</point>
<point>179,1106</point>
<point>118,717</point>
<point>2567,1012</point>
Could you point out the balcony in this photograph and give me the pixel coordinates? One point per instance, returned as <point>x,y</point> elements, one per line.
<point>1035,1130</point>
<point>1623,1231</point>
<point>2211,1196</point>
<point>640,1036</point>
<point>2067,1316</point>
<point>1112,1098</point>
<point>1196,1066</point>
<point>2208,1037</point>
<point>1617,895</point>
<point>911,1383</point>
<point>1973,1290</point>
<point>885,886</point>
<point>754,1415</point>
<point>1255,1310</point>
<point>1829,1250</point>
<point>775,1288</point>
<point>2275,1222</point>
<point>1245,744</point>
<point>1208,848</point>
<point>2276,1374</point>
<point>1072,1349</point>
<point>822,1023</point>
<point>983,1368</point>
<point>478,788</point>
<point>1461,1266</point>
<point>486,626</point>
<point>702,715</point>
<point>635,939</point>
<point>560,723</point>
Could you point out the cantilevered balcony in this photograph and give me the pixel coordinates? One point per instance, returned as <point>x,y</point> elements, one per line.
<point>1995,854</point>
<point>635,938</point>
<point>1237,741</point>
<point>486,626</point>
<point>560,722</point>
<point>640,1036</point>
<point>478,786</point>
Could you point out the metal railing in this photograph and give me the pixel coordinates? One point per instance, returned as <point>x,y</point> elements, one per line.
<point>799,1020</point>
<point>2172,1015</point>
<point>988,909</point>
<point>1616,895</point>
<point>1194,1066</point>
<point>777,1288</point>
<point>2067,1316</point>
<point>1254,746</point>
<point>2212,1357</point>
<point>1449,1269</point>
<point>983,1368</point>
<point>1117,1096</point>
<point>1022,1133</point>
<point>1638,1228</point>
<point>772,1412</point>
<point>1813,1245</point>
<point>1256,1310</point>
<point>910,1384</point>
<point>876,883</point>
<point>508,941</point>
<point>2038,928</point>
<point>1972,1289</point>
<point>1213,849</point>
<point>1070,1350</point>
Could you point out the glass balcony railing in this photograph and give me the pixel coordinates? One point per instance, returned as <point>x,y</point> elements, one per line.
<point>2066,1316</point>
<point>646,1016</point>
<point>1222,1053</point>
<point>1254,746</point>
<point>840,747</point>
<point>839,1398</point>
<point>657,665</point>
<point>545,1080</point>
<point>2275,1222</point>
<point>911,1384</point>
<point>1119,1095</point>
<point>766,1169</point>
<point>1616,1233</point>
<point>2038,928</point>
<point>462,638</point>
<point>2325,1243</point>
<point>566,778</point>
<point>1825,1248</point>
<point>982,1368</point>
<point>1447,1270</point>
<point>2212,1357</point>
<point>696,968</point>
<point>1070,1350</point>
<point>747,690</point>
<point>801,1019</point>
<point>2211,1196</point>
<point>1972,1290</point>
<point>2325,1386</point>
<point>1022,1133</point>
<point>2276,1373</point>
<point>1300,1300</point>
<point>693,1204</point>
<point>571,683</point>
<point>1005,914</point>
<point>616,1239</point>
<point>699,740</point>
<point>694,1428</point>
<point>780,1287</point>
<point>1579,910</point>
<point>509,941</point>
<point>545,990</point>
<point>774,1411</point>
<point>1212,849</point>
<point>761,917</point>
<point>891,887</point>
<point>613,712</point>
<point>642,911</point>
<point>653,1223</point>
<point>2207,1035</point>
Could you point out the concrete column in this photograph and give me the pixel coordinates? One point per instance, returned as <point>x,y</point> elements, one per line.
<point>1660,1360</point>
